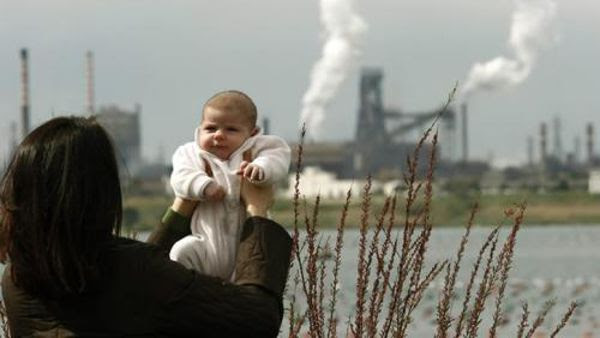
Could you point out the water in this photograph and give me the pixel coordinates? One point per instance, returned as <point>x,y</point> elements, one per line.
<point>550,262</point>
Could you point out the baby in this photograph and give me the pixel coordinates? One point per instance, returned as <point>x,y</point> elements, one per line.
<point>210,170</point>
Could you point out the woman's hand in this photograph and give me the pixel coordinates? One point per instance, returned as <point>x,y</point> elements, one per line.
<point>184,207</point>
<point>258,199</point>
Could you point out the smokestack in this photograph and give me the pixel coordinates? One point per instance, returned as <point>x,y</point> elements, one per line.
<point>558,151</point>
<point>543,143</point>
<point>530,151</point>
<point>89,76</point>
<point>24,93</point>
<point>577,151</point>
<point>266,126</point>
<point>465,140</point>
<point>590,143</point>
<point>13,137</point>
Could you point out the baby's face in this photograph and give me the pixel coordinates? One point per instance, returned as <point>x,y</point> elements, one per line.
<point>222,133</point>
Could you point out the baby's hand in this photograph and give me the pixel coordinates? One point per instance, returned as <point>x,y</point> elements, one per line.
<point>251,171</point>
<point>214,192</point>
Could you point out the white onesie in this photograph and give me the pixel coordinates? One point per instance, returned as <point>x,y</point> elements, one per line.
<point>216,226</point>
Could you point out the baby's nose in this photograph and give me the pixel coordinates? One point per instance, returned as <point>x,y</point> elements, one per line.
<point>219,134</point>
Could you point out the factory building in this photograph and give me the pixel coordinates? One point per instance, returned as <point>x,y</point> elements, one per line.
<point>382,140</point>
<point>124,129</point>
<point>594,182</point>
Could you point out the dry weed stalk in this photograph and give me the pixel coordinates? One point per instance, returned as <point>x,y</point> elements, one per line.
<point>523,324</point>
<point>4,320</point>
<point>564,319</point>
<point>505,263</point>
<point>362,277</point>
<point>339,242</point>
<point>443,316</point>
<point>540,318</point>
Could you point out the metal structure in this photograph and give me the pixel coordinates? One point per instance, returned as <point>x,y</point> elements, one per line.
<point>266,126</point>
<point>465,135</point>
<point>124,129</point>
<point>577,149</point>
<point>380,141</point>
<point>24,93</point>
<point>530,151</point>
<point>590,143</point>
<point>543,143</point>
<point>13,137</point>
<point>558,149</point>
<point>89,77</point>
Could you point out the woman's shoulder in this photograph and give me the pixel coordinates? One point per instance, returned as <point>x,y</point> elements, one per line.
<point>130,249</point>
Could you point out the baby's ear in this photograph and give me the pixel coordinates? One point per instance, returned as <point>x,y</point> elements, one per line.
<point>255,131</point>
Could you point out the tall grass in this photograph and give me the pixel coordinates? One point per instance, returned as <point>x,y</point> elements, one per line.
<point>391,271</point>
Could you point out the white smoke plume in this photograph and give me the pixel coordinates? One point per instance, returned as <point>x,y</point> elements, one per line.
<point>343,31</point>
<point>531,32</point>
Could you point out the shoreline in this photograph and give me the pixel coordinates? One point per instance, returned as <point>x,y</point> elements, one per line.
<point>450,210</point>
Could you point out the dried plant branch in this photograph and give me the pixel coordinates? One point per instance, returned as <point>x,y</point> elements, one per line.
<point>292,305</point>
<point>384,271</point>
<point>505,266</point>
<point>491,240</point>
<point>296,234</point>
<point>540,318</point>
<point>564,319</point>
<point>362,278</point>
<point>523,324</point>
<point>312,272</point>
<point>374,251</point>
<point>4,320</point>
<point>484,288</point>
<point>339,242</point>
<point>443,317</point>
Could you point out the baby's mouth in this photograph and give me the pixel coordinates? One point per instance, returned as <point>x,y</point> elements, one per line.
<point>220,147</point>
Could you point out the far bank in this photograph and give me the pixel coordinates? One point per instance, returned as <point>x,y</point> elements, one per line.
<point>142,211</point>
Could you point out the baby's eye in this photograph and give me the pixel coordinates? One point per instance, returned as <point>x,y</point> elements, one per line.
<point>232,129</point>
<point>210,128</point>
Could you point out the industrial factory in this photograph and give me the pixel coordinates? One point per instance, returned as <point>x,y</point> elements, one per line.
<point>383,140</point>
<point>385,137</point>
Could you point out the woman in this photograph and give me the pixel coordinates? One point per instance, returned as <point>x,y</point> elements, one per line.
<point>69,274</point>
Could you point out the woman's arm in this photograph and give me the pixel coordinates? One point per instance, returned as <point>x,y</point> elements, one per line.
<point>174,225</point>
<point>198,305</point>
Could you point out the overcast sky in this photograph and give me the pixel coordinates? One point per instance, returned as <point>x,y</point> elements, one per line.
<point>170,56</point>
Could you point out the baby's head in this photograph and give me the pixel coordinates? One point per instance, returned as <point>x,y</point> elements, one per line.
<point>228,120</point>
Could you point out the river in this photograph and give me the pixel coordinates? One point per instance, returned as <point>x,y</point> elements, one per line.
<point>550,262</point>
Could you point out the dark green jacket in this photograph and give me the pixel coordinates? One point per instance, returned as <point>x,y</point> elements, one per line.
<point>142,293</point>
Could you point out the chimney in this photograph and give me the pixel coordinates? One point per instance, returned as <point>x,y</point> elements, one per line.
<point>577,150</point>
<point>266,125</point>
<point>89,76</point>
<point>465,140</point>
<point>590,143</point>
<point>543,143</point>
<point>13,137</point>
<point>530,151</point>
<point>558,151</point>
<point>24,93</point>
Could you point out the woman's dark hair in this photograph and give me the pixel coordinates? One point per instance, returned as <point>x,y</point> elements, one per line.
<point>60,199</point>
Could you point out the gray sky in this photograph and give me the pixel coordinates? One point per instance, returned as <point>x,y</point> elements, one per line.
<point>170,56</point>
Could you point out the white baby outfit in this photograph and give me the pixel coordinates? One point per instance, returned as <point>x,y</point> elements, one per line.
<point>216,226</point>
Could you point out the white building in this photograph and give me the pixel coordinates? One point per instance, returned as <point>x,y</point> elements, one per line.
<point>314,181</point>
<point>594,182</point>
